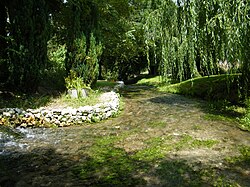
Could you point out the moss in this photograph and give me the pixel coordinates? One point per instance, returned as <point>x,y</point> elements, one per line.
<point>108,165</point>
<point>243,158</point>
<point>204,143</point>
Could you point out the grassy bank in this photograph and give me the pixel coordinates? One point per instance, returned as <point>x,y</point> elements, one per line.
<point>53,99</point>
<point>221,91</point>
<point>219,87</point>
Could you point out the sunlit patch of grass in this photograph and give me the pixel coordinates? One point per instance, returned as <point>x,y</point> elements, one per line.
<point>187,141</point>
<point>157,124</point>
<point>215,117</point>
<point>158,147</point>
<point>183,142</point>
<point>66,101</point>
<point>244,157</point>
<point>104,85</point>
<point>154,150</point>
<point>218,87</point>
<point>204,143</point>
<point>153,81</point>
<point>245,119</point>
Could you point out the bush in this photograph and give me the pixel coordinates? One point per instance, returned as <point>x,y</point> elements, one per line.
<point>53,76</point>
<point>85,63</point>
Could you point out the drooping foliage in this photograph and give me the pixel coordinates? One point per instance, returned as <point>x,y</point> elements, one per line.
<point>192,38</point>
<point>118,39</point>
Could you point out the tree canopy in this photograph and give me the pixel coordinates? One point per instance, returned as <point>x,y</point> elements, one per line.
<point>117,39</point>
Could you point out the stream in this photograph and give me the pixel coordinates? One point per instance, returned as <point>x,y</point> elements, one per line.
<point>48,157</point>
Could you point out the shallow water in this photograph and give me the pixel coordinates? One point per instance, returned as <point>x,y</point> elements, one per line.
<point>47,157</point>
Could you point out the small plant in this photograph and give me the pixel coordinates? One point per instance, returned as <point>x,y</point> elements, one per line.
<point>74,82</point>
<point>83,61</point>
<point>110,75</point>
<point>245,121</point>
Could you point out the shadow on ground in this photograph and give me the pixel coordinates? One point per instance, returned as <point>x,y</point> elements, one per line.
<point>104,160</point>
<point>214,110</point>
<point>14,100</point>
<point>111,167</point>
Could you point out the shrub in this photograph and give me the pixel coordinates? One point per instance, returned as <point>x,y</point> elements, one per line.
<point>85,61</point>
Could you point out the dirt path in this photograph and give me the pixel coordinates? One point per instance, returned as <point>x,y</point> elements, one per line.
<point>158,140</point>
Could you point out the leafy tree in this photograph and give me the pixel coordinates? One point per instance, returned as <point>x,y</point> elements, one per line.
<point>85,64</point>
<point>26,52</point>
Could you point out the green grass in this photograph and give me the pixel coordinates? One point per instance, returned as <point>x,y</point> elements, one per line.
<point>102,84</point>
<point>214,88</point>
<point>37,101</point>
<point>222,92</point>
<point>110,165</point>
<point>66,100</point>
<point>187,141</point>
<point>160,124</point>
<point>153,81</point>
<point>25,101</point>
<point>218,87</point>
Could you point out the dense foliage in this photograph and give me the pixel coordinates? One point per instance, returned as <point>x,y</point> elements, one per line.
<point>118,39</point>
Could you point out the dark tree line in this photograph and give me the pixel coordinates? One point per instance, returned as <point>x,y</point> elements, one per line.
<point>24,36</point>
<point>118,39</point>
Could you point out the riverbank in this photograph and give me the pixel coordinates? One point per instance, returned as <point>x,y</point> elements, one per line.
<point>158,140</point>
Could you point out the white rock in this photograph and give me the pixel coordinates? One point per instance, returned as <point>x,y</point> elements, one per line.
<point>72,111</point>
<point>18,111</point>
<point>38,115</point>
<point>73,93</point>
<point>86,109</point>
<point>7,114</point>
<point>29,114</point>
<point>84,93</point>
<point>65,111</point>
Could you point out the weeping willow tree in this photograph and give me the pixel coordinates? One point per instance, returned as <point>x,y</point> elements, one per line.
<point>169,39</point>
<point>245,54</point>
<point>190,38</point>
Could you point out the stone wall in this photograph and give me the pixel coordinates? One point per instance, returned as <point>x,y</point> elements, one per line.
<point>42,117</point>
